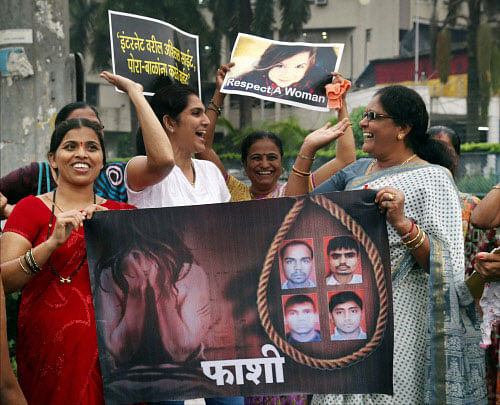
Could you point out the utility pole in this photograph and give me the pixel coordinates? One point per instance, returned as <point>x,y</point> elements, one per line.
<point>37,77</point>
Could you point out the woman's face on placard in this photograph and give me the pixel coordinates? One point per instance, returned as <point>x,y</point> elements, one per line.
<point>290,70</point>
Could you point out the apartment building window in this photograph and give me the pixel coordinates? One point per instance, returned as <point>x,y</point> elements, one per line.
<point>92,93</point>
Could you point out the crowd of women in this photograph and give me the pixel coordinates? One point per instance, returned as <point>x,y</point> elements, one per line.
<point>437,358</point>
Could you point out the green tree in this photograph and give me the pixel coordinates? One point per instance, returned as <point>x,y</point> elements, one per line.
<point>81,15</point>
<point>480,56</point>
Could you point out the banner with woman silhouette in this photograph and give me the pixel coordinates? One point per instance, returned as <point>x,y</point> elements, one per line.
<point>293,73</point>
<point>233,299</point>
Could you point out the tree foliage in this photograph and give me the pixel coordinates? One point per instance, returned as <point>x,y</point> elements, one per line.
<point>81,14</point>
<point>495,69</point>
<point>484,48</point>
<point>443,55</point>
<point>480,60</point>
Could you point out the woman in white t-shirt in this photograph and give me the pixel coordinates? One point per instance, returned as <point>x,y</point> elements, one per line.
<point>167,176</point>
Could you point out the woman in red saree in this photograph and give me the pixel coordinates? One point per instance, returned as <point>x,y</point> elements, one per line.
<point>43,251</point>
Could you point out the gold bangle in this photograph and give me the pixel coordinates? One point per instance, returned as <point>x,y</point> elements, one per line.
<point>419,242</point>
<point>497,187</point>
<point>24,268</point>
<point>306,157</point>
<point>297,171</point>
<point>415,238</point>
<point>298,174</point>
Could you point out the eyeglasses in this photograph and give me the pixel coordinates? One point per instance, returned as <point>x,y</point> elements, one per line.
<point>372,115</point>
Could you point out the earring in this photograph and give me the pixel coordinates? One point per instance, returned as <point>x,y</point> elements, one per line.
<point>400,137</point>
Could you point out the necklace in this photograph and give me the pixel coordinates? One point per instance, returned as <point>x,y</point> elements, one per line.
<point>194,175</point>
<point>370,167</point>
<point>62,279</point>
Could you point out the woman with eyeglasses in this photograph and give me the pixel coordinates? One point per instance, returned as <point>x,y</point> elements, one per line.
<point>435,321</point>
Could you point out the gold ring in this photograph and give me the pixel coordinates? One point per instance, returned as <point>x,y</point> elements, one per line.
<point>391,196</point>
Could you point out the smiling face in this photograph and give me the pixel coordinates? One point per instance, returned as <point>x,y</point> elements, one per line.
<point>290,70</point>
<point>263,165</point>
<point>343,262</point>
<point>381,134</point>
<point>347,317</point>
<point>188,131</point>
<point>297,263</point>
<point>78,158</point>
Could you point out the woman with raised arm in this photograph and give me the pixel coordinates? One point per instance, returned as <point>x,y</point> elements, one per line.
<point>435,323</point>
<point>43,252</point>
<point>262,152</point>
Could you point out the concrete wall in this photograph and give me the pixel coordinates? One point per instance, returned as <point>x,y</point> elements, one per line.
<point>41,80</point>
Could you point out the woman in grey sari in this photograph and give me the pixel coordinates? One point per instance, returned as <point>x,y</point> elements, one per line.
<point>437,358</point>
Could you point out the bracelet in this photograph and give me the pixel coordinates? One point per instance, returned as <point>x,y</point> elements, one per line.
<point>24,268</point>
<point>217,107</point>
<point>300,172</point>
<point>419,242</point>
<point>306,157</point>
<point>410,231</point>
<point>213,109</point>
<point>33,259</point>
<point>419,233</point>
<point>30,264</point>
<point>497,187</point>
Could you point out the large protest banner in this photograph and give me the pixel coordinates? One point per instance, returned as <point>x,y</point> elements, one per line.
<point>148,51</point>
<point>190,301</point>
<point>293,73</point>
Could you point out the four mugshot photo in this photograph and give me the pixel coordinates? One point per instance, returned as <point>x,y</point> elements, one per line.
<point>341,277</point>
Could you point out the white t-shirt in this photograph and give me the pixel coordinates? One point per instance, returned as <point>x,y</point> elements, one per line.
<point>175,189</point>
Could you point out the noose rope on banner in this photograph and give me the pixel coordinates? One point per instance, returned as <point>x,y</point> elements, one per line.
<point>373,255</point>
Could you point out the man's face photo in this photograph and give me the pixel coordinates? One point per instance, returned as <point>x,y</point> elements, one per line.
<point>343,262</point>
<point>297,263</point>
<point>347,317</point>
<point>300,318</point>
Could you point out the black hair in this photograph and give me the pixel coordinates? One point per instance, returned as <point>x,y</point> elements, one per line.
<point>66,111</point>
<point>275,54</point>
<point>343,297</point>
<point>452,163</point>
<point>407,108</point>
<point>342,242</point>
<point>257,136</point>
<point>435,130</point>
<point>65,126</point>
<point>148,236</point>
<point>171,100</point>
<point>295,243</point>
<point>299,299</point>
